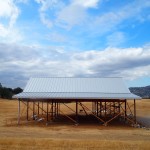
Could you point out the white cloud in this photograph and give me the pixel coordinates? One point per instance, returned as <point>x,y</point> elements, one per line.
<point>130,63</point>
<point>22,1</point>
<point>65,15</point>
<point>86,3</point>
<point>56,37</point>
<point>110,20</point>
<point>9,10</point>
<point>46,21</point>
<point>10,34</point>
<point>70,16</point>
<point>46,6</point>
<point>116,39</point>
<point>75,13</point>
<point>27,61</point>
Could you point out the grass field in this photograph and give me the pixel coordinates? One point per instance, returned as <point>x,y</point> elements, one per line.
<point>67,136</point>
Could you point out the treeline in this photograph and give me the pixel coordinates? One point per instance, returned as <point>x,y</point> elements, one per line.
<point>7,93</point>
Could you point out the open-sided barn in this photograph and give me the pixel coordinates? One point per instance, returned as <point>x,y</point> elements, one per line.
<point>108,96</point>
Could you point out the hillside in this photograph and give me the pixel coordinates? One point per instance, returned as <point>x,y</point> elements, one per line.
<point>143,92</point>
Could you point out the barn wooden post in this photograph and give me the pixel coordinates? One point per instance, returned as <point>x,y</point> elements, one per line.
<point>100,108</point>
<point>33,110</point>
<point>119,106</point>
<point>110,108</point>
<point>38,109</point>
<point>42,107</point>
<point>105,110</point>
<point>57,109</point>
<point>97,108</point>
<point>18,111</point>
<point>47,112</point>
<point>125,107</point>
<point>114,108</point>
<point>134,111</point>
<point>76,111</point>
<point>52,111</point>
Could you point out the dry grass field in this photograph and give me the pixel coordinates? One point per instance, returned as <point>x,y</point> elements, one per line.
<point>71,137</point>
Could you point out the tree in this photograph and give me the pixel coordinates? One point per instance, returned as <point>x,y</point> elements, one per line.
<point>0,85</point>
<point>9,92</point>
<point>17,90</point>
<point>6,93</point>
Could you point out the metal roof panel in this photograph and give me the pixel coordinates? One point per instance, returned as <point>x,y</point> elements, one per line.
<point>59,95</point>
<point>80,88</point>
<point>105,85</point>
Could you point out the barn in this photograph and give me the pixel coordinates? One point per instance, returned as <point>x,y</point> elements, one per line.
<point>108,97</point>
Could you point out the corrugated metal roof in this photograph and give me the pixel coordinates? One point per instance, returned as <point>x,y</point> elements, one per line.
<point>76,95</point>
<point>104,85</point>
<point>84,88</point>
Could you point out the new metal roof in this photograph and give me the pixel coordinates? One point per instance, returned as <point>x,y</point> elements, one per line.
<point>76,88</point>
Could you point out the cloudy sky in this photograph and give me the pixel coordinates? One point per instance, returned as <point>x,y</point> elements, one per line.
<point>77,38</point>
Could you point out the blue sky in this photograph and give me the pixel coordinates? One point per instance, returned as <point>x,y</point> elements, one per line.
<point>78,38</point>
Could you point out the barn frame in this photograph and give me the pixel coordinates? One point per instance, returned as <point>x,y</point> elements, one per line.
<point>109,98</point>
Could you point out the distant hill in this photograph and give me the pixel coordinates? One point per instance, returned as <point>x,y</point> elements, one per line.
<point>143,92</point>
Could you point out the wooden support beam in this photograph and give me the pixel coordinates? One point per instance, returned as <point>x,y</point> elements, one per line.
<point>105,111</point>
<point>112,119</point>
<point>93,114</point>
<point>33,110</point>
<point>110,108</point>
<point>129,107</point>
<point>47,112</point>
<point>41,108</point>
<point>71,108</point>
<point>126,116</point>
<point>76,111</point>
<point>38,109</point>
<point>114,107</point>
<point>67,116</point>
<point>97,108</point>
<point>118,113</point>
<point>57,108</point>
<point>52,110</point>
<point>26,105</point>
<point>125,107</point>
<point>100,108</point>
<point>83,108</point>
<point>119,106</point>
